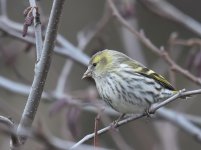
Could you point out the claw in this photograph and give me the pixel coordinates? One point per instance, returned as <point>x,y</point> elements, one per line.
<point>148,113</point>
<point>115,122</point>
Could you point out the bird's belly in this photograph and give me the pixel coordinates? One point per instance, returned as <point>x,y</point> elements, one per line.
<point>124,104</point>
<point>131,95</point>
<point>127,107</point>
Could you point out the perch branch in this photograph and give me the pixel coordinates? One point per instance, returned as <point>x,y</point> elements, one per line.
<point>153,109</point>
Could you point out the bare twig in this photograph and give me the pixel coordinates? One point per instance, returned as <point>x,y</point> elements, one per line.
<point>116,136</point>
<point>167,132</point>
<point>90,136</point>
<point>152,109</point>
<point>65,48</point>
<point>11,126</point>
<point>63,77</point>
<point>155,107</point>
<point>49,141</point>
<point>188,42</point>
<point>37,28</point>
<point>193,118</point>
<point>68,49</point>
<point>130,42</point>
<point>18,88</point>
<point>181,122</point>
<point>166,10</point>
<point>84,41</point>
<point>6,121</point>
<point>151,46</point>
<point>41,69</point>
<point>23,89</point>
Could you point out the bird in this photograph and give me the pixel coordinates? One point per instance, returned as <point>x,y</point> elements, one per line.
<point>126,85</point>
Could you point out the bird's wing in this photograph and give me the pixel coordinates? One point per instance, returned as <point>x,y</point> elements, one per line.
<point>141,69</point>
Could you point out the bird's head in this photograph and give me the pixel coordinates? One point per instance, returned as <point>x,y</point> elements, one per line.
<point>104,62</point>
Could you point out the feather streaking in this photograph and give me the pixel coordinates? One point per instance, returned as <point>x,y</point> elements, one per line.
<point>126,85</point>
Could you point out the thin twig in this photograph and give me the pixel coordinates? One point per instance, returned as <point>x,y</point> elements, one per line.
<point>155,107</point>
<point>166,10</point>
<point>84,41</point>
<point>182,122</point>
<point>102,131</point>
<point>37,28</point>
<point>63,77</point>
<point>152,109</point>
<point>188,42</point>
<point>161,52</point>
<point>11,126</point>
<point>48,140</point>
<point>116,136</point>
<point>193,118</point>
<point>65,48</point>
<point>41,69</point>
<point>16,87</point>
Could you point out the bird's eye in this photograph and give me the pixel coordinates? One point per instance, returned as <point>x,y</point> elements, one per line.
<point>94,64</point>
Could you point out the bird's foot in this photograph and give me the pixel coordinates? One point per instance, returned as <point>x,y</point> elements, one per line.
<point>148,113</point>
<point>115,122</point>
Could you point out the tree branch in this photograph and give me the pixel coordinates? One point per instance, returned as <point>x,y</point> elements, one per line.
<point>11,126</point>
<point>153,108</point>
<point>37,29</point>
<point>166,10</point>
<point>18,88</point>
<point>64,47</point>
<point>49,141</point>
<point>41,69</point>
<point>161,52</point>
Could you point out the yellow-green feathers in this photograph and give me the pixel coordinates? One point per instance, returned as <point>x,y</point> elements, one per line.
<point>107,60</point>
<point>101,57</point>
<point>141,69</point>
<point>125,84</point>
<point>158,78</point>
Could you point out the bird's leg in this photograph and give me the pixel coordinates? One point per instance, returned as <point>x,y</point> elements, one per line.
<point>148,113</point>
<point>115,122</point>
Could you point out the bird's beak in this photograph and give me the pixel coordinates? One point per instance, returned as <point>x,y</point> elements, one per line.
<point>87,74</point>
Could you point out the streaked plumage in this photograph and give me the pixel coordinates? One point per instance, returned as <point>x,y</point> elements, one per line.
<point>126,85</point>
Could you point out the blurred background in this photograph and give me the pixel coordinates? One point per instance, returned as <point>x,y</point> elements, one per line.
<point>86,25</point>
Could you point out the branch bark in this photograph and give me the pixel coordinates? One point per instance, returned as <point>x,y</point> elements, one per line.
<point>64,47</point>
<point>37,29</point>
<point>166,10</point>
<point>11,126</point>
<point>41,69</point>
<point>160,52</point>
<point>182,122</point>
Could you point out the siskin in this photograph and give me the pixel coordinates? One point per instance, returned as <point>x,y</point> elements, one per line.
<point>126,85</point>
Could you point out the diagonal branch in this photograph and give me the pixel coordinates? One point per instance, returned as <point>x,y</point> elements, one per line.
<point>161,52</point>
<point>183,122</point>
<point>11,126</point>
<point>166,10</point>
<point>63,48</point>
<point>47,140</point>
